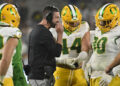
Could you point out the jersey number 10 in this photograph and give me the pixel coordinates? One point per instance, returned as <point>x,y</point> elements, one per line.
<point>99,44</point>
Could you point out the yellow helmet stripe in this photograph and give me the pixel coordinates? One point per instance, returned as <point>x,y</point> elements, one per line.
<point>73,12</point>
<point>102,9</point>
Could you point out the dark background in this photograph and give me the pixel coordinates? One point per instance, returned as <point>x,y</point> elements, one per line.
<point>30,12</point>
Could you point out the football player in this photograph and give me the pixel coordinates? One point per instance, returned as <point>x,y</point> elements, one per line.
<point>74,31</point>
<point>106,47</point>
<point>11,69</point>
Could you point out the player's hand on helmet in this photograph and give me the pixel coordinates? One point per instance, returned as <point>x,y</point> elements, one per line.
<point>59,28</point>
<point>105,80</point>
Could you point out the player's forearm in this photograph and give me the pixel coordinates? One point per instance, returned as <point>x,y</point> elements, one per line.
<point>82,56</point>
<point>115,62</point>
<point>6,59</point>
<point>4,64</point>
<point>7,55</point>
<point>86,46</point>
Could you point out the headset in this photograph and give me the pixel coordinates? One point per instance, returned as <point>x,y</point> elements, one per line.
<point>49,15</point>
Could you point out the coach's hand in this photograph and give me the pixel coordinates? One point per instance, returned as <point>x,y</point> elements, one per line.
<point>59,28</point>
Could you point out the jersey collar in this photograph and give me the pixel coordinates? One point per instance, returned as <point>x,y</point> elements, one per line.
<point>67,32</point>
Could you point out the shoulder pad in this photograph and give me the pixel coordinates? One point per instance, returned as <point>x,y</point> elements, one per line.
<point>14,32</point>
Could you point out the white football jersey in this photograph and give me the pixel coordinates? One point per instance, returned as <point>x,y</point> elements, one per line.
<point>72,42</point>
<point>5,34</point>
<point>105,48</point>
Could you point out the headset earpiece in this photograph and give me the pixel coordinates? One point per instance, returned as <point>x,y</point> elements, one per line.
<point>49,17</point>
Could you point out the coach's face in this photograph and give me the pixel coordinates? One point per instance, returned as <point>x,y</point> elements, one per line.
<point>56,18</point>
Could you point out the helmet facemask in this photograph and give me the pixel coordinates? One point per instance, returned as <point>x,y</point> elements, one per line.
<point>72,25</point>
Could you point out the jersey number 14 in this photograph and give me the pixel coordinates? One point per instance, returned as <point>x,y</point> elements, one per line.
<point>76,45</point>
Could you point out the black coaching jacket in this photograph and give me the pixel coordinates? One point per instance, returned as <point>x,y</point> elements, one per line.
<point>42,52</point>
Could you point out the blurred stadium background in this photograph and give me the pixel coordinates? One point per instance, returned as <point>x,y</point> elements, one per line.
<point>30,11</point>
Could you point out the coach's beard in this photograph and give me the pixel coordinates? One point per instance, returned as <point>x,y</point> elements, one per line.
<point>53,25</point>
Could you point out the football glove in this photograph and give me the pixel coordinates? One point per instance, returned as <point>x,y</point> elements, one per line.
<point>67,61</point>
<point>82,57</point>
<point>105,80</point>
<point>116,70</point>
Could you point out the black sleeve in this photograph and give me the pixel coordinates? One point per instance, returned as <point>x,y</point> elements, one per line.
<point>53,48</point>
<point>58,50</point>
